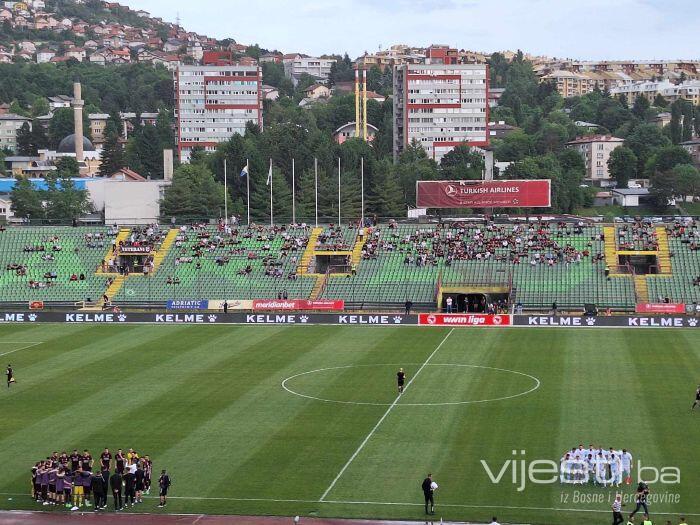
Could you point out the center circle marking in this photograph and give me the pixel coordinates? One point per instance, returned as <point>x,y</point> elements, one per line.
<point>285,386</point>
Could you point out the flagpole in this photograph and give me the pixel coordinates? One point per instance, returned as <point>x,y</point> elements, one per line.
<point>338,191</point>
<point>225,194</point>
<point>362,185</point>
<point>294,206</point>
<point>247,183</point>
<point>272,213</point>
<point>316,187</point>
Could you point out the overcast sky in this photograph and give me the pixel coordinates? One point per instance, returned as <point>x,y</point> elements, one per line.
<point>594,29</point>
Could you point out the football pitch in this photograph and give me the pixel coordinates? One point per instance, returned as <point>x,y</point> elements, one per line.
<point>306,419</point>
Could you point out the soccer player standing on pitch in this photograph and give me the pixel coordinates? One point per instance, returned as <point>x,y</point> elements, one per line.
<point>163,486</point>
<point>11,376</point>
<point>400,379</point>
<point>697,393</point>
<point>428,488</point>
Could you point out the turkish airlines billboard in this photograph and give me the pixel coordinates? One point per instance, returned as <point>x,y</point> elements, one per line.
<point>484,194</point>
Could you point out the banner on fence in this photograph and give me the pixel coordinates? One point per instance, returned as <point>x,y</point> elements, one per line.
<point>464,319</point>
<point>660,308</point>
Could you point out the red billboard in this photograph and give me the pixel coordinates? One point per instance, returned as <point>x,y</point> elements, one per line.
<point>464,320</point>
<point>660,308</point>
<point>484,194</point>
<point>298,304</point>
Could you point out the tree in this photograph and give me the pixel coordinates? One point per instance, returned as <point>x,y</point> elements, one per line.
<point>643,141</point>
<point>667,158</point>
<point>687,180</point>
<point>40,106</point>
<point>112,156</point>
<point>660,101</point>
<point>688,116</point>
<point>64,202</point>
<point>194,194</point>
<point>514,146</point>
<point>675,128</point>
<point>622,165</point>
<point>62,124</point>
<point>462,163</point>
<point>641,107</point>
<point>25,144</point>
<point>26,200</point>
<point>39,138</point>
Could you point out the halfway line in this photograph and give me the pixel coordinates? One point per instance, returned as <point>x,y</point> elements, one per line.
<point>381,420</point>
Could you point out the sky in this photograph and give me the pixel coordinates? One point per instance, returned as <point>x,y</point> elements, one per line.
<point>581,29</point>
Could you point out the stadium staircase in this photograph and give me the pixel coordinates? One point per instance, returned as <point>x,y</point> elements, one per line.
<point>122,236</point>
<point>164,248</point>
<point>611,259</point>
<point>320,284</point>
<point>664,254</point>
<point>305,261</point>
<point>641,288</point>
<point>113,288</point>
<point>357,252</point>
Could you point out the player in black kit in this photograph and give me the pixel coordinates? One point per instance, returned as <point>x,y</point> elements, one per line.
<point>10,375</point>
<point>697,398</point>
<point>400,379</point>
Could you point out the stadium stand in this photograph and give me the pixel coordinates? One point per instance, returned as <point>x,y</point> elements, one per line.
<point>204,262</point>
<point>535,264</point>
<point>53,264</point>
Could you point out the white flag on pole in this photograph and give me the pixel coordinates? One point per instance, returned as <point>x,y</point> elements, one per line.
<point>269,174</point>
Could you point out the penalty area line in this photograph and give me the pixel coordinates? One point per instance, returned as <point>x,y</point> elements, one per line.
<point>381,419</point>
<point>27,345</point>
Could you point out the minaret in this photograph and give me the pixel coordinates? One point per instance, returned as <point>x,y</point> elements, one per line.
<point>78,119</point>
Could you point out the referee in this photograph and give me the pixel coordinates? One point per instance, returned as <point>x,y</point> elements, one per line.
<point>617,510</point>
<point>428,490</point>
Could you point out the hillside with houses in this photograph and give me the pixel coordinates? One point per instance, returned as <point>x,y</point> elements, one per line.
<point>95,31</point>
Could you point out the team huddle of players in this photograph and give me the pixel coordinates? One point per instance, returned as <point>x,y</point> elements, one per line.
<point>606,467</point>
<point>74,479</point>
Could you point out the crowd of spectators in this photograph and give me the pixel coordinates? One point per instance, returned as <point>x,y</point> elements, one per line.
<point>547,244</point>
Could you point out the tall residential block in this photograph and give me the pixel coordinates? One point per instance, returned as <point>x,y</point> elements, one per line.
<point>440,105</point>
<point>212,102</point>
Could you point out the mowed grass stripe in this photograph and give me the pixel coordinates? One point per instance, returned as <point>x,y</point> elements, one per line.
<point>108,407</point>
<point>64,370</point>
<point>245,447</point>
<point>295,461</point>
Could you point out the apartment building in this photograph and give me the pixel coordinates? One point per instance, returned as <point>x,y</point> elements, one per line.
<point>295,65</point>
<point>440,105</point>
<point>212,102</point>
<point>9,125</point>
<point>689,90</point>
<point>596,150</point>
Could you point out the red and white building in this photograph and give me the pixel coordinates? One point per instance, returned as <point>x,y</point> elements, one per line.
<point>440,104</point>
<point>212,102</point>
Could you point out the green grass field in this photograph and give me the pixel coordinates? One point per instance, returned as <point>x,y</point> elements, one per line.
<point>207,403</point>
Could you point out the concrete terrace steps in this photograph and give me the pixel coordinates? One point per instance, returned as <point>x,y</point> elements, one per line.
<point>664,255</point>
<point>303,267</point>
<point>641,288</point>
<point>162,252</point>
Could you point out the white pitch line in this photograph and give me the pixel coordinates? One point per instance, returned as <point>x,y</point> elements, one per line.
<point>382,503</point>
<point>29,345</point>
<point>381,420</point>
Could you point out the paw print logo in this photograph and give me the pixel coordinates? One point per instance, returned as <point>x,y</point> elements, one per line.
<point>398,319</point>
<point>32,317</point>
<point>121,318</point>
<point>212,318</point>
<point>590,321</point>
<point>303,318</point>
<point>692,322</point>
